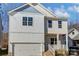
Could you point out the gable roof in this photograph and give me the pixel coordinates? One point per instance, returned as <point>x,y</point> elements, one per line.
<point>19,8</point>
<point>76,37</point>
<point>38,7</point>
<point>76,27</point>
<point>71,28</point>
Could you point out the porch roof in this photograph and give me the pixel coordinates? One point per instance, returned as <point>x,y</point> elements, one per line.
<point>57,18</point>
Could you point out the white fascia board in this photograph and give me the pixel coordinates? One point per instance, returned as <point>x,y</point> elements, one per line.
<point>43,10</point>
<point>16,8</point>
<point>52,13</point>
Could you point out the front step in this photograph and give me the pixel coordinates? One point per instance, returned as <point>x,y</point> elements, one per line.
<point>48,53</point>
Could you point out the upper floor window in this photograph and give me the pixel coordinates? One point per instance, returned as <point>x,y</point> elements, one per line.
<point>50,23</point>
<point>30,21</point>
<point>59,24</point>
<point>24,21</point>
<point>27,21</point>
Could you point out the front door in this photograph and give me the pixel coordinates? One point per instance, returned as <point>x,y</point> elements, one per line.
<point>62,39</point>
<point>53,42</point>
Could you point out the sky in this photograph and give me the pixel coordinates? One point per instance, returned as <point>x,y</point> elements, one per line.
<point>69,10</point>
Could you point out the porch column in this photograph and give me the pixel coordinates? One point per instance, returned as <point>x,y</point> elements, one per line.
<point>67,42</point>
<point>58,41</point>
<point>13,49</point>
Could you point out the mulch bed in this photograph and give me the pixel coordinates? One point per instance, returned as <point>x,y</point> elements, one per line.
<point>3,52</point>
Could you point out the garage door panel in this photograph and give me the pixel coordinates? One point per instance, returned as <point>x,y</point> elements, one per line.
<point>28,49</point>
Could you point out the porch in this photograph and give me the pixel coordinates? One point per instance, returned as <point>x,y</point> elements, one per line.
<point>55,41</point>
<point>56,44</point>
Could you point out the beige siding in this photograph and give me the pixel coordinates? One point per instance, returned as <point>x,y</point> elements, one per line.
<point>26,34</point>
<point>26,37</point>
<point>57,30</point>
<point>16,23</point>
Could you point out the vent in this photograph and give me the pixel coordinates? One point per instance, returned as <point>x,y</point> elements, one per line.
<point>34,4</point>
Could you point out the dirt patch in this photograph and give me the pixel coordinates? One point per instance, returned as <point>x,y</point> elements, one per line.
<point>4,40</point>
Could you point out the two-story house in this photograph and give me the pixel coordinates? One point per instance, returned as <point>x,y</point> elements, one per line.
<point>33,29</point>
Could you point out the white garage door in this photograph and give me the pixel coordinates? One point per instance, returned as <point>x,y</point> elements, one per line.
<point>28,49</point>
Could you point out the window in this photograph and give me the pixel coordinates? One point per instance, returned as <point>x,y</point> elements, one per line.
<point>53,40</point>
<point>50,23</point>
<point>24,21</point>
<point>27,21</point>
<point>59,24</point>
<point>30,21</point>
<point>77,41</point>
<point>73,33</point>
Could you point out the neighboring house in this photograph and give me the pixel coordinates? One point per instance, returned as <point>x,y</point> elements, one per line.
<point>74,39</point>
<point>34,29</point>
<point>74,35</point>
